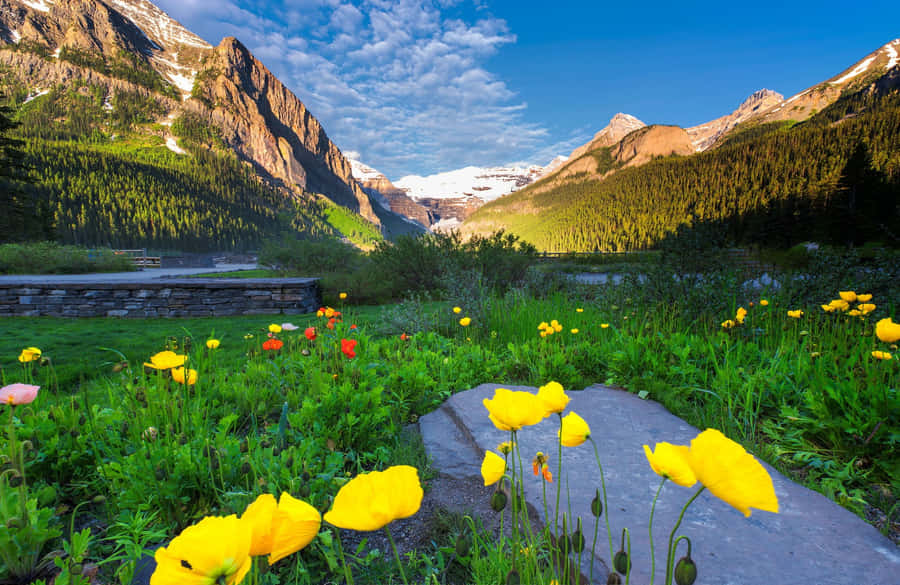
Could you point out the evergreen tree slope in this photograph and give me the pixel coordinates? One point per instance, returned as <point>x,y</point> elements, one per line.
<point>834,178</point>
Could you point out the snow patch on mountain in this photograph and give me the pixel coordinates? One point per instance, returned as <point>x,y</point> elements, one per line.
<point>892,53</point>
<point>362,172</point>
<point>486,184</point>
<point>34,96</point>
<point>41,5</point>
<point>861,68</point>
<point>172,144</point>
<point>156,25</point>
<point>16,36</point>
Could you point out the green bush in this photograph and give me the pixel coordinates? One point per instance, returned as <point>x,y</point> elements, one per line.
<point>312,258</point>
<point>52,258</point>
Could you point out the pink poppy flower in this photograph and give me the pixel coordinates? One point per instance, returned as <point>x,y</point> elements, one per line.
<point>18,394</point>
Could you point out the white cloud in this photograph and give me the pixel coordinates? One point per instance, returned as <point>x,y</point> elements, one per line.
<point>397,81</point>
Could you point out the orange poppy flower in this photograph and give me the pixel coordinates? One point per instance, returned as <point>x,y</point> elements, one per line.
<point>347,346</point>
<point>272,344</point>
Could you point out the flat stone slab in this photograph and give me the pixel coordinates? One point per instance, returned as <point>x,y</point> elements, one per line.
<point>812,541</point>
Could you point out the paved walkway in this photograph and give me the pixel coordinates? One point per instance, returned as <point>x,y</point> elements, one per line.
<point>813,541</point>
<point>133,276</point>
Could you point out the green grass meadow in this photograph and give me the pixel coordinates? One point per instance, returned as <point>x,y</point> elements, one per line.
<point>133,457</point>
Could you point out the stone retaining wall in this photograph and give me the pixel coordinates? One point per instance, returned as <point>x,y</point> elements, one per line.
<point>182,297</point>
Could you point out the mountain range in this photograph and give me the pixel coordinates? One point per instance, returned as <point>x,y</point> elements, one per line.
<point>119,83</point>
<point>133,46</point>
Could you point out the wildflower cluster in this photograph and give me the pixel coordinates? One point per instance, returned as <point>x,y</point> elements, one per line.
<point>719,464</point>
<point>842,304</point>
<point>547,329</point>
<point>173,364</point>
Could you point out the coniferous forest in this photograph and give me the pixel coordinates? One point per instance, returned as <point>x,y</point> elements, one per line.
<point>91,178</point>
<point>834,178</point>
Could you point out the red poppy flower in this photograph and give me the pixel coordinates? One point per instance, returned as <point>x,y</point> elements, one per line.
<point>330,323</point>
<point>347,346</point>
<point>353,326</point>
<point>272,344</point>
<point>310,333</point>
<point>404,337</point>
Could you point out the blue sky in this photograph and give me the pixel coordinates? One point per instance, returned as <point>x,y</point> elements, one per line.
<point>419,87</point>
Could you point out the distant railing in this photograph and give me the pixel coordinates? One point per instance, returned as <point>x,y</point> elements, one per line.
<point>139,258</point>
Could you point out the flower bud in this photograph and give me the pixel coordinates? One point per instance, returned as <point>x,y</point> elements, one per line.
<point>245,468</point>
<point>14,522</point>
<point>76,569</point>
<point>621,562</point>
<point>160,473</point>
<point>463,545</point>
<point>305,352</point>
<point>597,505</point>
<point>577,539</point>
<point>512,578</point>
<point>685,571</point>
<point>15,479</point>
<point>244,446</point>
<point>98,499</point>
<point>498,501</point>
<point>614,579</point>
<point>303,490</point>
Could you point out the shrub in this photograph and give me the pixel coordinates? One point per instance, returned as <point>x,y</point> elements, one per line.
<point>52,258</point>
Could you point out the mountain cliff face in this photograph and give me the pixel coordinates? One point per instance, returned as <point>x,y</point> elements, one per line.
<point>706,135</point>
<point>382,191</point>
<point>620,126</point>
<point>265,122</point>
<point>132,45</point>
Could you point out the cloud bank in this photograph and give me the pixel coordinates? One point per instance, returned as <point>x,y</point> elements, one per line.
<point>402,83</point>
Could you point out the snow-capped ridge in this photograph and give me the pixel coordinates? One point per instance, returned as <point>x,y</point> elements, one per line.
<point>156,25</point>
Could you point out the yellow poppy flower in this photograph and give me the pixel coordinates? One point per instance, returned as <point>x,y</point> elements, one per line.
<point>731,474</point>
<point>728,324</point>
<point>553,397</point>
<point>887,331</point>
<point>866,308</point>
<point>604,325</point>
<point>342,296</point>
<point>672,462</point>
<point>544,334</point>
<point>274,328</point>
<point>795,314</point>
<point>457,310</point>
<point>864,298</point>
<point>179,376</point>
<point>492,468</point>
<point>373,500</point>
<point>329,312</point>
<point>574,331</point>
<point>465,321</point>
<point>30,354</point>
<point>294,525</point>
<point>579,310</point>
<point>506,447</point>
<point>257,519</point>
<point>216,550</point>
<point>840,304</point>
<point>741,313</point>
<point>881,355</point>
<point>166,360</point>
<point>212,343</point>
<point>763,303</point>
<point>510,411</point>
<point>848,295</point>
<point>543,325</point>
<point>574,430</point>
<point>828,308</point>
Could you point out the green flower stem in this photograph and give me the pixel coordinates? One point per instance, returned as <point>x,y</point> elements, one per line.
<point>348,575</point>
<point>594,548</point>
<point>387,529</point>
<point>514,495</point>
<point>605,506</point>
<point>650,529</point>
<point>626,534</point>
<point>671,549</point>
<point>18,464</point>
<point>558,480</point>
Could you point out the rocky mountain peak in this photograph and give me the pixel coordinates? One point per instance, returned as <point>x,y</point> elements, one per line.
<point>706,135</point>
<point>620,126</point>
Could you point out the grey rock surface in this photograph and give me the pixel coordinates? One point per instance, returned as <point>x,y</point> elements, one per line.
<point>812,541</point>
